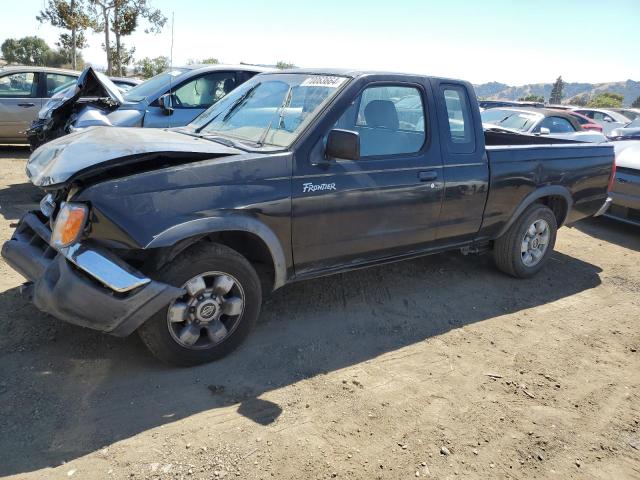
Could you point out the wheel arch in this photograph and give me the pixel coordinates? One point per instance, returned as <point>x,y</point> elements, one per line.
<point>556,197</point>
<point>248,236</point>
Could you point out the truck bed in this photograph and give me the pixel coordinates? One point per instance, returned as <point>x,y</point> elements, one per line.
<point>577,172</point>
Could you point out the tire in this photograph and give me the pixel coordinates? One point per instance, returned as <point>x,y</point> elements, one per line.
<point>508,249</point>
<point>163,334</point>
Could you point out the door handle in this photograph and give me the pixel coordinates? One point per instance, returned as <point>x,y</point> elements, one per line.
<point>427,176</point>
<point>26,105</point>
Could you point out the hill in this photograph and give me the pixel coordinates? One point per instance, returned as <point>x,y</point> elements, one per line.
<point>630,89</point>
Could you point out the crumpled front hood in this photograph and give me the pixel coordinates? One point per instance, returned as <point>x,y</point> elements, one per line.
<point>59,160</point>
<point>89,83</point>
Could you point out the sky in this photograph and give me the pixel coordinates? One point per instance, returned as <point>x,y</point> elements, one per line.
<point>513,42</point>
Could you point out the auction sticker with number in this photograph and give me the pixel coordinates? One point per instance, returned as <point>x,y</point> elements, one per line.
<point>323,81</point>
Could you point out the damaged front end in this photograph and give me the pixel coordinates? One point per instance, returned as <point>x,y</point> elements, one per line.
<point>93,96</point>
<point>82,283</point>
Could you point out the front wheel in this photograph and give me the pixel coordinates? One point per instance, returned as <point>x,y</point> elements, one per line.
<point>220,305</point>
<point>524,249</point>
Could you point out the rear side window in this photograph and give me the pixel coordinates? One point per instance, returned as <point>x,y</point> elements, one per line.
<point>16,85</point>
<point>57,82</point>
<point>461,135</point>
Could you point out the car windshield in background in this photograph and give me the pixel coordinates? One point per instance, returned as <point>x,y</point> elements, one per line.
<point>269,109</point>
<point>521,121</point>
<point>142,91</point>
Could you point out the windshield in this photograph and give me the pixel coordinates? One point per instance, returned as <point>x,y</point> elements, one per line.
<point>149,87</point>
<point>515,120</point>
<point>270,109</point>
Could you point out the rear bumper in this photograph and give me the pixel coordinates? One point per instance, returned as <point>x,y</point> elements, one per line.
<point>84,285</point>
<point>603,209</point>
<point>624,208</point>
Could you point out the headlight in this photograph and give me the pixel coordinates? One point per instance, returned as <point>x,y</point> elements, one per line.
<point>69,224</point>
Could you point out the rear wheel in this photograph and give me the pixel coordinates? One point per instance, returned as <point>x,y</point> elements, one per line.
<point>220,305</point>
<point>525,248</point>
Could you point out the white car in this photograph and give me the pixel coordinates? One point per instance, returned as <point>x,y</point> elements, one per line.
<point>607,118</point>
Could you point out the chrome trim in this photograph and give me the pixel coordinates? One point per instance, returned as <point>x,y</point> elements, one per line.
<point>604,207</point>
<point>47,205</point>
<point>104,267</point>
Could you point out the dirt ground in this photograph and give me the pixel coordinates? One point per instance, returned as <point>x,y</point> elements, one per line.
<point>434,368</point>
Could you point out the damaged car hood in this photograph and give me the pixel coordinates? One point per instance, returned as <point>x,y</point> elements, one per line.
<point>59,160</point>
<point>89,84</point>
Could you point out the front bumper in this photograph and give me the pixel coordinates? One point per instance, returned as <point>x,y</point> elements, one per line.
<point>83,284</point>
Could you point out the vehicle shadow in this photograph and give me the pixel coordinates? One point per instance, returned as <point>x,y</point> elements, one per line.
<point>68,391</point>
<point>609,230</point>
<point>15,152</point>
<point>17,199</point>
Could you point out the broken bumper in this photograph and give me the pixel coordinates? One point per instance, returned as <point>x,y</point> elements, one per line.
<point>83,284</point>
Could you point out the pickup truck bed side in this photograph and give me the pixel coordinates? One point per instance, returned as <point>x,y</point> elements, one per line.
<point>573,177</point>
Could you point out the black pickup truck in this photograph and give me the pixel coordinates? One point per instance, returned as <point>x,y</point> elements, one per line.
<point>177,233</point>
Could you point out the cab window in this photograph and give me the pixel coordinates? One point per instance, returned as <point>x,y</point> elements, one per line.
<point>390,120</point>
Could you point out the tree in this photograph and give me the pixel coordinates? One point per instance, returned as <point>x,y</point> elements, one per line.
<point>532,98</point>
<point>606,100</point>
<point>25,51</point>
<point>208,61</point>
<point>579,100</point>
<point>126,15</point>
<point>148,67</point>
<point>284,65</point>
<point>69,15</point>
<point>122,17</point>
<point>556,91</point>
<point>33,51</point>
<point>636,103</point>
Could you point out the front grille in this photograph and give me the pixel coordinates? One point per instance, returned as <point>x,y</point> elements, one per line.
<point>34,231</point>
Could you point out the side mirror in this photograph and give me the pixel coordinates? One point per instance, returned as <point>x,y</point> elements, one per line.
<point>544,131</point>
<point>608,120</point>
<point>166,103</point>
<point>343,144</point>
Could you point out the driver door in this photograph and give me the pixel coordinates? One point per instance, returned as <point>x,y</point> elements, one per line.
<point>387,203</point>
<point>190,99</point>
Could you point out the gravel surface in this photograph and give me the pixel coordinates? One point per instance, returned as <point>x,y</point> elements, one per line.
<point>440,367</point>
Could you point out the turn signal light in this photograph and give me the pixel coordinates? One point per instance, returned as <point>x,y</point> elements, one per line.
<point>69,224</point>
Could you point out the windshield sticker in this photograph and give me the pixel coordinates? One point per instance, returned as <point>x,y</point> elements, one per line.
<point>323,81</point>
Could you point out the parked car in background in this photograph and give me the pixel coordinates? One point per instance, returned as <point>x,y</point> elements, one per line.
<point>629,131</point>
<point>631,113</point>
<point>125,83</point>
<point>585,122</point>
<point>609,119</point>
<point>170,99</point>
<point>485,104</point>
<point>625,190</point>
<point>25,90</point>
<point>539,121</point>
<point>176,233</point>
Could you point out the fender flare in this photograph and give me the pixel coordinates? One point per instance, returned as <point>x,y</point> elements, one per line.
<point>206,226</point>
<point>547,191</point>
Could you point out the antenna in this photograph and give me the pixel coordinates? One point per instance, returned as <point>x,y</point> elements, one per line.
<point>173,17</point>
